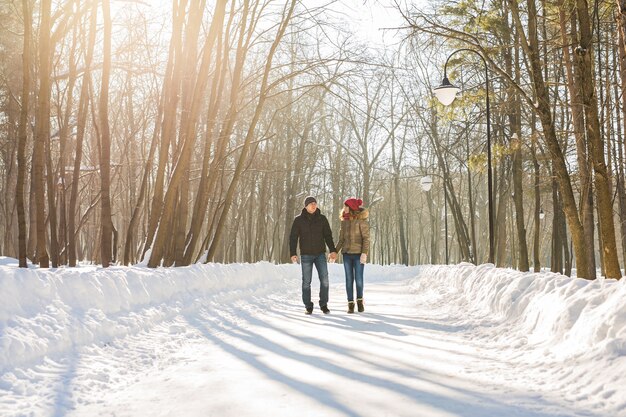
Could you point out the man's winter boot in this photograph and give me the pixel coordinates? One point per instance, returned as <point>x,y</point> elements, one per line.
<point>309,310</point>
<point>359,303</point>
<point>325,309</point>
<point>350,307</point>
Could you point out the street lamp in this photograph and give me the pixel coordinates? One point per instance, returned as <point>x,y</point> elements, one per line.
<point>446,93</point>
<point>427,183</point>
<point>541,214</point>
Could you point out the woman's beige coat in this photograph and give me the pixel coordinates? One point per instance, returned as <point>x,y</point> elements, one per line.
<point>354,234</point>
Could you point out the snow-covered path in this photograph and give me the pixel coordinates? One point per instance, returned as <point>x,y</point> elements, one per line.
<point>410,354</point>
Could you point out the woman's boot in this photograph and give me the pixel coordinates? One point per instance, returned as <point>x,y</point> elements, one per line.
<point>350,307</point>
<point>359,303</point>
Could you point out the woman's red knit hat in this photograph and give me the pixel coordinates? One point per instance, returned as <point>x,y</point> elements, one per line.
<point>353,203</point>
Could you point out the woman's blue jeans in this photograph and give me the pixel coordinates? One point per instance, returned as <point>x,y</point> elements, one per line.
<point>354,272</point>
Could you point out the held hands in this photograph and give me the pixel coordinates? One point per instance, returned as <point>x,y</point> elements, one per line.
<point>364,258</point>
<point>332,257</point>
<point>294,259</point>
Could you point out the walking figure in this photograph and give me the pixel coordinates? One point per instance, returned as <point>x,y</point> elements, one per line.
<point>311,230</point>
<point>354,244</point>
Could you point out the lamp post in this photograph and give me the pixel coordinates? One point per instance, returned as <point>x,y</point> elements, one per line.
<point>446,93</point>
<point>427,182</point>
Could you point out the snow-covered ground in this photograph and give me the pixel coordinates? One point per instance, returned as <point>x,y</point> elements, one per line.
<point>232,341</point>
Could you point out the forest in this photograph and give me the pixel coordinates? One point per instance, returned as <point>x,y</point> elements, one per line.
<point>184,131</point>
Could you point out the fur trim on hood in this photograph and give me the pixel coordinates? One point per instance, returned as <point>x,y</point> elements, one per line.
<point>362,214</point>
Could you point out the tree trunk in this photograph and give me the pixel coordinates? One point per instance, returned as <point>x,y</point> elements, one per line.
<point>251,129</point>
<point>556,264</point>
<point>171,85</point>
<point>451,197</point>
<point>160,122</point>
<point>403,246</point>
<point>42,132</point>
<point>31,244</point>
<point>174,190</point>
<point>518,200</point>
<point>502,190</point>
<point>23,136</point>
<point>513,62</point>
<point>620,16</point>
<point>194,81</point>
<point>622,128</point>
<point>596,142</point>
<point>52,216</point>
<point>133,201</point>
<point>543,109</point>
<point>81,121</point>
<point>578,116</point>
<point>537,213</point>
<point>106,252</point>
<point>206,183</point>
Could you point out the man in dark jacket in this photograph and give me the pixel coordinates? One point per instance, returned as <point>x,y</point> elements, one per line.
<point>312,231</point>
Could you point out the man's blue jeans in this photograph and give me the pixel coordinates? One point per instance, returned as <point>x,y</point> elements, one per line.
<point>354,272</point>
<point>307,262</point>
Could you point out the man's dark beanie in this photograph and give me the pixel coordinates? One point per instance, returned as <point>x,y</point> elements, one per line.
<point>309,200</point>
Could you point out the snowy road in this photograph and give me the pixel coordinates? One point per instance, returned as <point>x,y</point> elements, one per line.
<point>408,355</point>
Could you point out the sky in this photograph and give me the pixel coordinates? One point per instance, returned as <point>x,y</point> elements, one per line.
<point>366,18</point>
<point>373,21</point>
<point>233,341</point>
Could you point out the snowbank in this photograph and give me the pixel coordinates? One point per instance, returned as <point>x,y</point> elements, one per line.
<point>46,312</point>
<point>573,316</point>
<point>5,260</point>
<point>571,330</point>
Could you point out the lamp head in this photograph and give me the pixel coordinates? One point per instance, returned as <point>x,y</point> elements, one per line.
<point>446,92</point>
<point>426,183</point>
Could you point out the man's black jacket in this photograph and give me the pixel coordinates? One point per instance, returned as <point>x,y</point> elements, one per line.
<point>313,231</point>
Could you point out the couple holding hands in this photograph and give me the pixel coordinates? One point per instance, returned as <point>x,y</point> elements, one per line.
<point>312,231</point>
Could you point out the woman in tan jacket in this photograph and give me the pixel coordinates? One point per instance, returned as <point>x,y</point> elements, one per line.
<point>354,244</point>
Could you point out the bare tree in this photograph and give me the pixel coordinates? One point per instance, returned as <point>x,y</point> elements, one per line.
<point>23,135</point>
<point>584,53</point>
<point>81,124</point>
<point>264,92</point>
<point>42,132</point>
